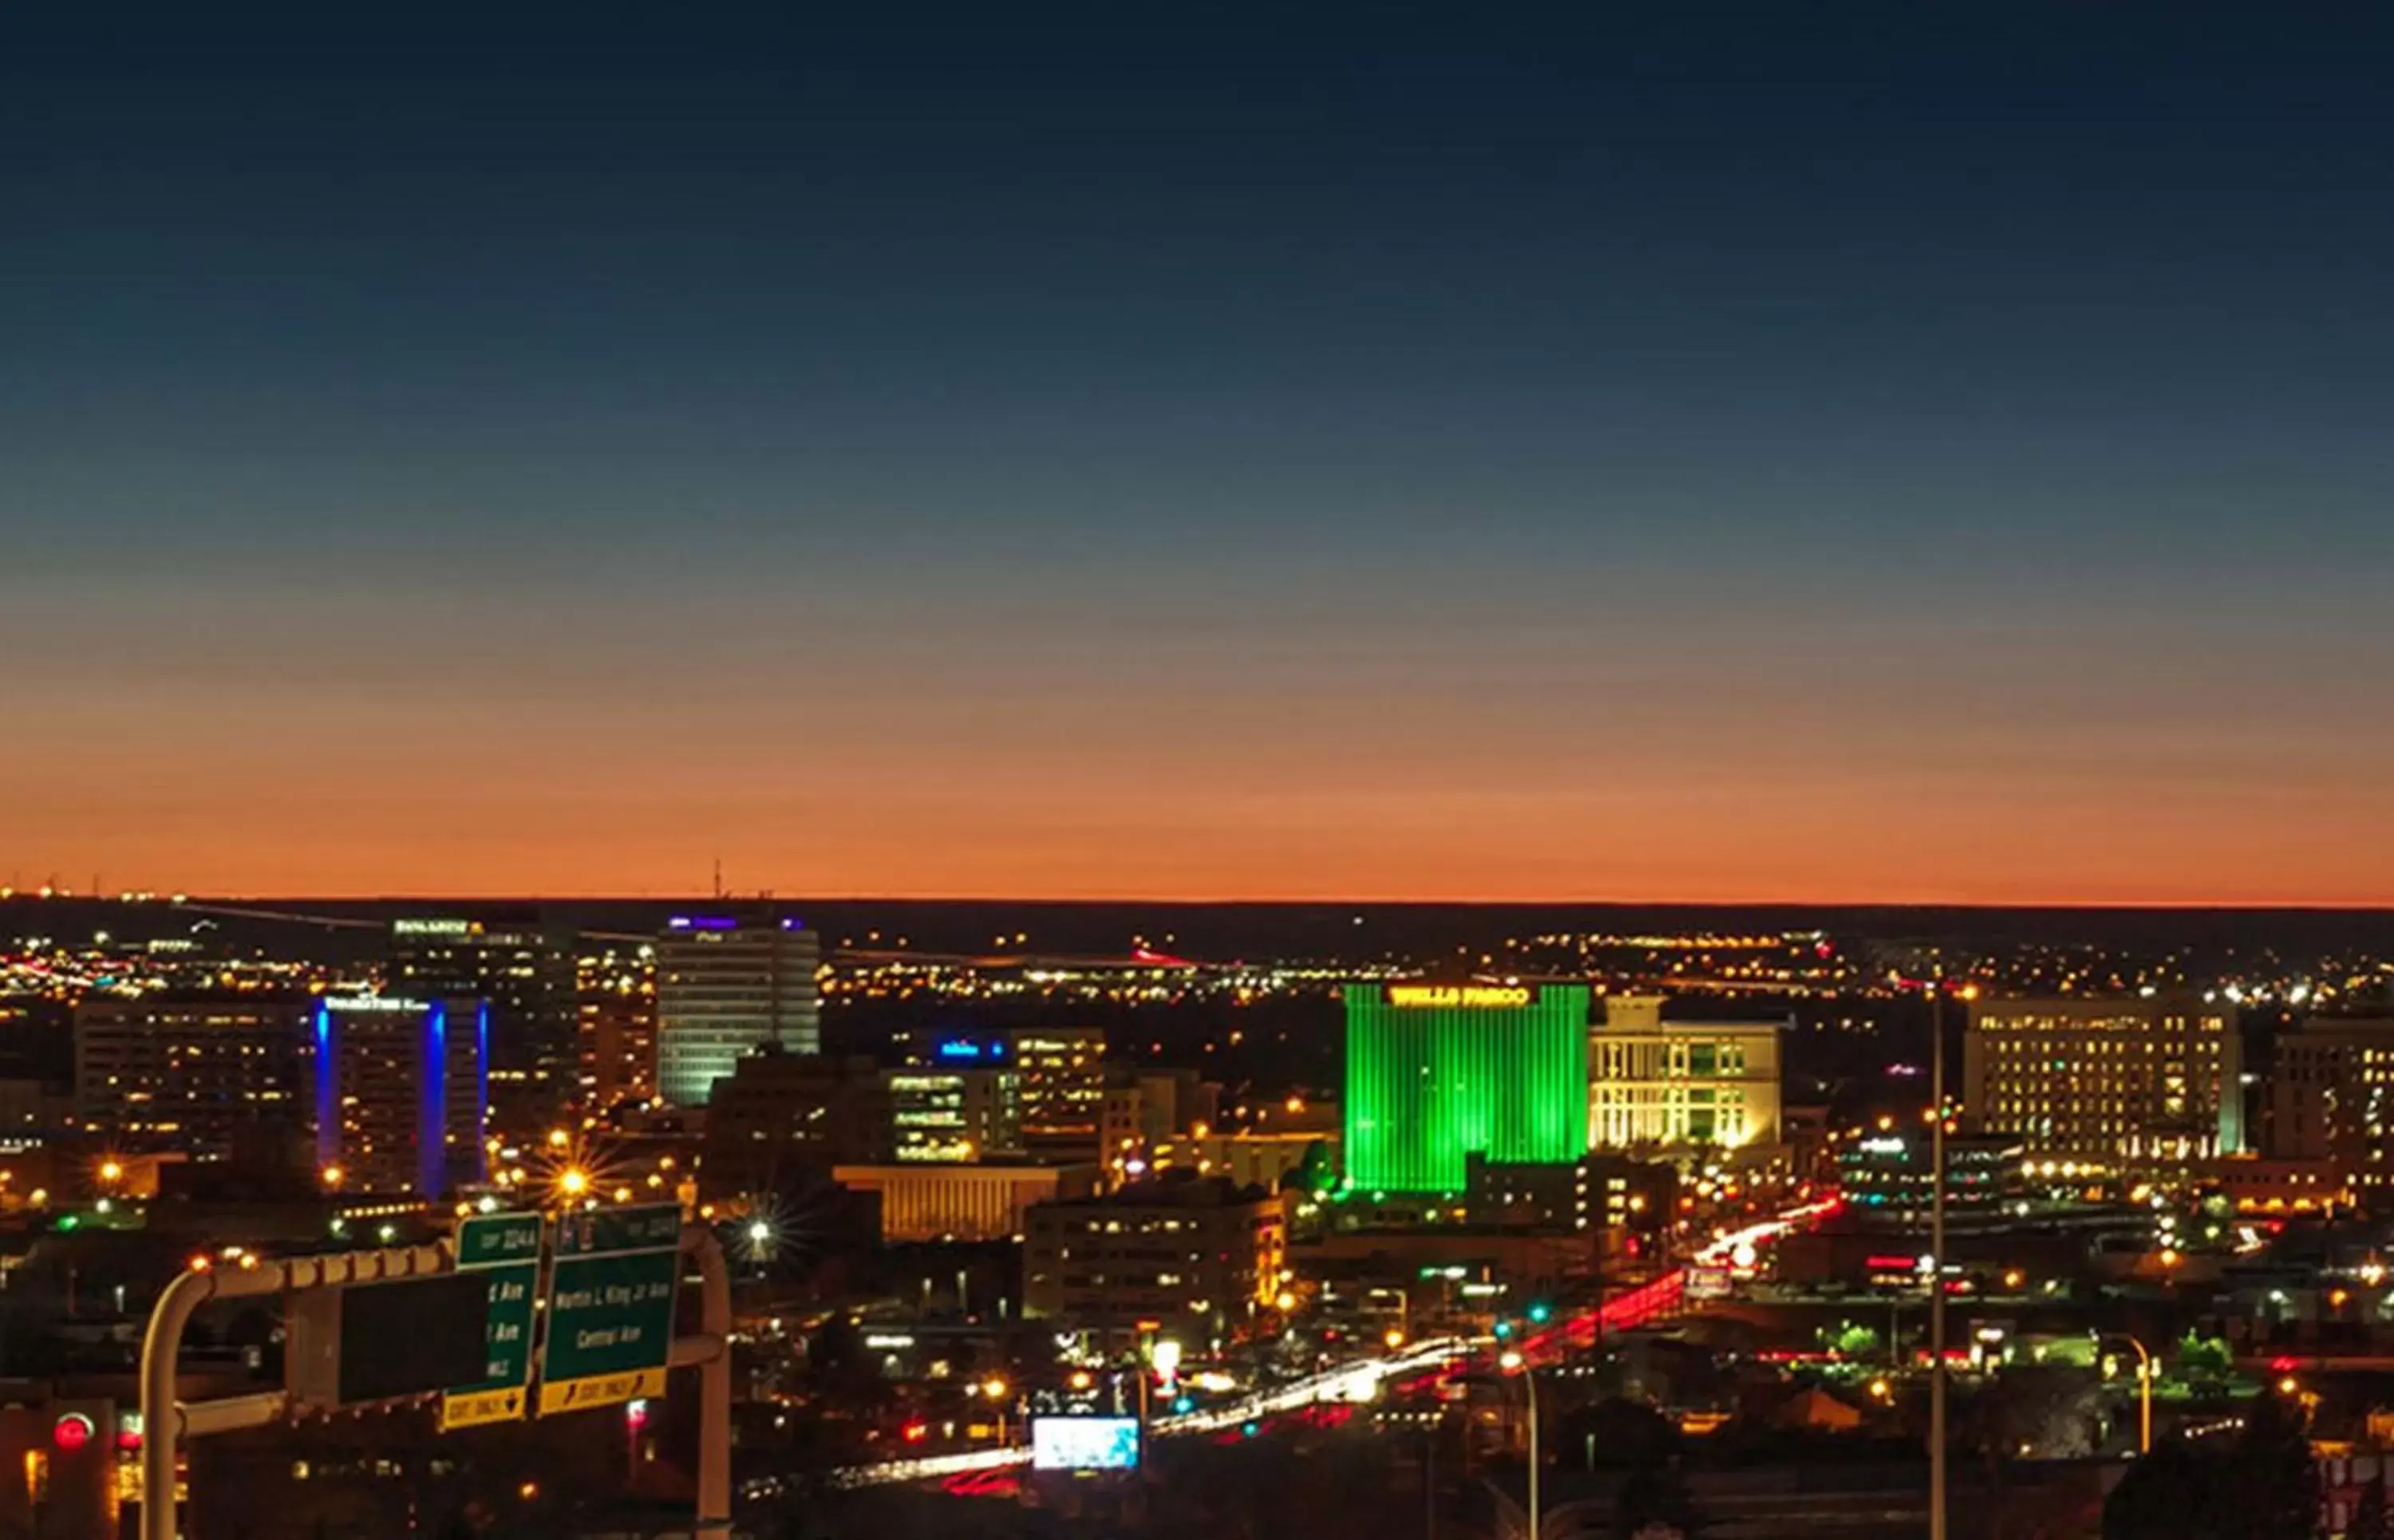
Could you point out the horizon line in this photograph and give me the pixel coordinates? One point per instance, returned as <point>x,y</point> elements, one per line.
<point>186,898</point>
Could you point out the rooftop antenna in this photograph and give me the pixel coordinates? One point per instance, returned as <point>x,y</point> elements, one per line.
<point>718,877</point>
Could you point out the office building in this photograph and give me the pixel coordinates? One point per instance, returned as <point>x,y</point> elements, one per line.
<point>2332,1100</point>
<point>525,972</point>
<point>1680,1086</point>
<point>617,1004</point>
<point>729,983</point>
<point>1201,1258</point>
<point>1612,1193</point>
<point>2107,1085</point>
<point>784,1120</point>
<point>1063,1082</point>
<point>1890,1174</point>
<point>1249,1158</point>
<point>982,1200</point>
<point>1436,1072</point>
<point>400,1097</point>
<point>191,1071</point>
<point>1141,1108</point>
<point>955,1114</point>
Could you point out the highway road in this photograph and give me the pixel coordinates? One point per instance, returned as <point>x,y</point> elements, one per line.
<point>1362,1379</point>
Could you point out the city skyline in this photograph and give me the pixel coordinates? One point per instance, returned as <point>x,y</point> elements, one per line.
<point>1741,457</point>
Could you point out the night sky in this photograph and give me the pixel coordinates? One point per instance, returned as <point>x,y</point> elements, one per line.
<point>1795,452</point>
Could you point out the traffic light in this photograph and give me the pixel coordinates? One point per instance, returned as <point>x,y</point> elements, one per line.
<point>1539,1313</point>
<point>1504,1330</point>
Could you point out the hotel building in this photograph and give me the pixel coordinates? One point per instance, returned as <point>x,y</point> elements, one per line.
<point>2107,1084</point>
<point>401,1091</point>
<point>1680,1085</point>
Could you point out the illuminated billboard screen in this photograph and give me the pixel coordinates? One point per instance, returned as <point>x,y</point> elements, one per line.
<point>1084,1443</point>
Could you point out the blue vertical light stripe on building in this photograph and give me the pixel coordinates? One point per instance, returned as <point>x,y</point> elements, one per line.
<point>481,1089</point>
<point>432,1117</point>
<point>328,1101</point>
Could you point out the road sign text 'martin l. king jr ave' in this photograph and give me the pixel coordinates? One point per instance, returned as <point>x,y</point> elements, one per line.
<point>610,1306</point>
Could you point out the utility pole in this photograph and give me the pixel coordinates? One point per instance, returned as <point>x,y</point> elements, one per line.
<point>1529,1390</point>
<point>1529,1383</point>
<point>1430,1483</point>
<point>1937,1258</point>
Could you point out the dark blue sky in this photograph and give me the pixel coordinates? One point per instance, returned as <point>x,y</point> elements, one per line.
<point>1790,451</point>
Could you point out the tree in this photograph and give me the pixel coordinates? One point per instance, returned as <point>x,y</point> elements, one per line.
<point>2047,1412</point>
<point>1850,1338</point>
<point>2202,1357</point>
<point>1318,1172</point>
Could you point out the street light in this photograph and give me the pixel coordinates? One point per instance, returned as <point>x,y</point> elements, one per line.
<point>2144,1394</point>
<point>1513,1362</point>
<point>994,1388</point>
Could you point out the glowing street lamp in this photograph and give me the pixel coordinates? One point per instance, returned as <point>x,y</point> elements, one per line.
<point>573,1182</point>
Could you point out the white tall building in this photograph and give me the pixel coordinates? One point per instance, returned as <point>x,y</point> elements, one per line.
<point>1658,1084</point>
<point>727,984</point>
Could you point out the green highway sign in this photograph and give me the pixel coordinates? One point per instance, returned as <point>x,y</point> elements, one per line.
<point>504,1249</point>
<point>610,1306</point>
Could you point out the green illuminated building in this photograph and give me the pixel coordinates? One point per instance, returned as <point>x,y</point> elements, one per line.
<point>1438,1072</point>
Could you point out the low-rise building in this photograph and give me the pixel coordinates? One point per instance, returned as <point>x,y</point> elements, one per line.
<point>943,1115</point>
<point>1203,1255</point>
<point>783,1118</point>
<point>1891,1174</point>
<point>1248,1159</point>
<point>2255,1184</point>
<point>1621,1198</point>
<point>975,1201</point>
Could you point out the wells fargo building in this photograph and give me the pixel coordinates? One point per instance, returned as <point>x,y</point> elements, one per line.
<point>1438,1072</point>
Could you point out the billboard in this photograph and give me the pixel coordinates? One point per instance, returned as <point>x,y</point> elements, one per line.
<point>1084,1443</point>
